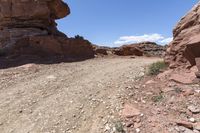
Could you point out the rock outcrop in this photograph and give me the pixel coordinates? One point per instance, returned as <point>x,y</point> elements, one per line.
<point>140,49</point>
<point>101,50</point>
<point>151,49</point>
<point>29,27</point>
<point>186,44</point>
<point>127,50</point>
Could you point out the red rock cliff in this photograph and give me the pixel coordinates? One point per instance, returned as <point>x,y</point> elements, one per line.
<point>186,44</point>
<point>29,27</point>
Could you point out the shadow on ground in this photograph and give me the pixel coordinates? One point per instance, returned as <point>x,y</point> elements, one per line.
<point>8,62</point>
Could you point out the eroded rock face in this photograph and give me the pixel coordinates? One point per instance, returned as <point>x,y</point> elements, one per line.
<point>140,49</point>
<point>151,48</point>
<point>186,44</point>
<point>127,50</point>
<point>29,27</point>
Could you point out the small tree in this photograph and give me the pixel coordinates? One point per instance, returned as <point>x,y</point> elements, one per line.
<point>79,37</point>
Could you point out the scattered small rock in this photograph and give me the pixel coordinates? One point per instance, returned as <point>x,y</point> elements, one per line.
<point>185,124</point>
<point>197,126</point>
<point>188,92</point>
<point>137,130</point>
<point>197,91</point>
<point>194,109</point>
<point>150,82</point>
<point>192,120</point>
<point>129,124</point>
<point>167,89</point>
<point>137,87</point>
<point>51,77</point>
<point>130,111</point>
<point>137,125</point>
<point>196,131</point>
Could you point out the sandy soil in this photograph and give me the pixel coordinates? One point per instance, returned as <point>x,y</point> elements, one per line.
<point>79,97</point>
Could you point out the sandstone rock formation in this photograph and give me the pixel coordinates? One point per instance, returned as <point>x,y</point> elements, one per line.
<point>102,50</point>
<point>127,50</point>
<point>151,48</point>
<point>29,27</point>
<point>186,44</point>
<point>140,49</point>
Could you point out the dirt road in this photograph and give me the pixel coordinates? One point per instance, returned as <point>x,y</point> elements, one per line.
<point>80,97</point>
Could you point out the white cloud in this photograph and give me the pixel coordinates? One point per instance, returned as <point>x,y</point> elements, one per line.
<point>146,37</point>
<point>166,40</point>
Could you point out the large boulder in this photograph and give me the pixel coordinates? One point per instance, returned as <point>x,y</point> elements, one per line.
<point>53,45</point>
<point>29,27</point>
<point>186,44</point>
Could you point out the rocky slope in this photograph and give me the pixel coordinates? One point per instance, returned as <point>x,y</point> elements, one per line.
<point>29,27</point>
<point>186,44</point>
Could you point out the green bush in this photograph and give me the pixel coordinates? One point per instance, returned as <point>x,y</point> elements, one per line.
<point>155,68</point>
<point>157,98</point>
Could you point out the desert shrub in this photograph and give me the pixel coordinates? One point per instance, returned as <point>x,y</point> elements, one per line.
<point>156,67</point>
<point>178,90</point>
<point>157,98</point>
<point>79,37</point>
<point>119,127</point>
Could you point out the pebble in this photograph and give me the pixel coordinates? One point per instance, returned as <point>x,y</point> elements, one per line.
<point>137,87</point>
<point>192,120</point>
<point>141,115</point>
<point>129,124</point>
<point>197,91</point>
<point>137,130</point>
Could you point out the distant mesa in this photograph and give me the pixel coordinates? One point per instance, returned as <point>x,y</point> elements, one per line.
<point>137,49</point>
<point>28,27</point>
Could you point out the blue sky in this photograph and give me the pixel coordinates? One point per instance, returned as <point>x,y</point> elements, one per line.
<point>114,22</point>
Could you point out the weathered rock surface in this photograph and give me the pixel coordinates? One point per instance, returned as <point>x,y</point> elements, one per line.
<point>29,27</point>
<point>140,49</point>
<point>102,50</point>
<point>130,111</point>
<point>197,60</point>
<point>186,44</point>
<point>127,50</point>
<point>151,48</point>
